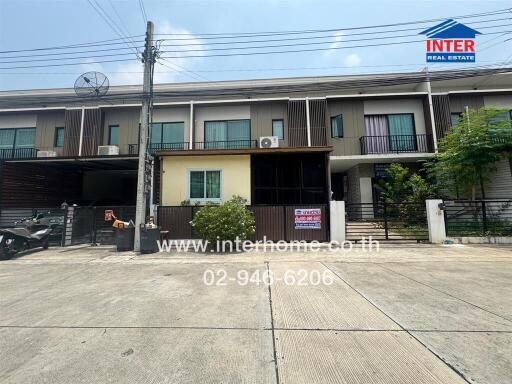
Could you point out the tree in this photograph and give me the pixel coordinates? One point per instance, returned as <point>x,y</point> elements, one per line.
<point>227,221</point>
<point>468,153</point>
<point>400,186</point>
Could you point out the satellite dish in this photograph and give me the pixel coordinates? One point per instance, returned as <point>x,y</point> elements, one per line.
<point>91,84</point>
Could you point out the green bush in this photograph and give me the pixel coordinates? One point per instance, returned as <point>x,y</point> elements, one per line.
<point>227,221</point>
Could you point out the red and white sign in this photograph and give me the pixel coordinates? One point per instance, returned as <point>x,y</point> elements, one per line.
<point>310,218</point>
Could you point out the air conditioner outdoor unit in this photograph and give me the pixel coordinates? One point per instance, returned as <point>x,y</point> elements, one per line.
<point>46,154</point>
<point>108,150</point>
<point>269,142</point>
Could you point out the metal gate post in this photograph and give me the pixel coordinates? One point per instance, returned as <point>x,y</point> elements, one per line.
<point>93,225</point>
<point>385,221</point>
<point>484,218</point>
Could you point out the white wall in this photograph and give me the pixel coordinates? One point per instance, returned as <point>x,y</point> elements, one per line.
<point>232,112</point>
<point>18,121</point>
<point>383,107</point>
<point>502,101</point>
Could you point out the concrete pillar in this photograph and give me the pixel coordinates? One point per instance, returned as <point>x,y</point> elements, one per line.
<point>337,221</point>
<point>435,220</point>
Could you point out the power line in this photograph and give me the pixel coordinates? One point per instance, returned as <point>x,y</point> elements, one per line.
<point>143,12</point>
<point>307,31</point>
<point>69,64</point>
<point>321,37</point>
<point>68,53</point>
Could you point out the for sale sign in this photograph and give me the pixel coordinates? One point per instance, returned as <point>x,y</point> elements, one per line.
<point>310,218</point>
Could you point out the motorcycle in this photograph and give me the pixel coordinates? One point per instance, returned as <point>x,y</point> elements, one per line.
<point>28,233</point>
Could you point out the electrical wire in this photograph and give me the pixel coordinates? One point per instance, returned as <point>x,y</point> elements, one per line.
<point>143,12</point>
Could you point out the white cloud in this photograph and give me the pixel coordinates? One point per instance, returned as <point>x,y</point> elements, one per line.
<point>352,60</point>
<point>338,37</point>
<point>131,72</point>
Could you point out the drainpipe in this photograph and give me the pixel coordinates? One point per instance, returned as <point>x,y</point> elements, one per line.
<point>431,110</point>
<point>191,127</point>
<point>308,123</point>
<point>81,132</point>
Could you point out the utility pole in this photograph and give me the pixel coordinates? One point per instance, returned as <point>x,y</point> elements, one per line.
<point>148,58</point>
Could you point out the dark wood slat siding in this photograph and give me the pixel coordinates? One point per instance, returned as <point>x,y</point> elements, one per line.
<point>35,186</point>
<point>72,119</point>
<point>92,132</point>
<point>442,117</point>
<point>317,117</point>
<point>297,126</point>
<point>157,169</point>
<point>458,103</point>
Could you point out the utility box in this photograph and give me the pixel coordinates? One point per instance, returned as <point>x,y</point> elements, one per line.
<point>125,238</point>
<point>149,238</point>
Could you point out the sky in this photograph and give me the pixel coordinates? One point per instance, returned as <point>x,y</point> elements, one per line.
<point>45,23</point>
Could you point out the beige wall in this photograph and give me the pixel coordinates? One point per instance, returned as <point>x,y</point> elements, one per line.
<point>221,112</point>
<point>262,115</point>
<point>235,179</point>
<point>128,121</point>
<point>45,132</point>
<point>500,102</point>
<point>353,126</point>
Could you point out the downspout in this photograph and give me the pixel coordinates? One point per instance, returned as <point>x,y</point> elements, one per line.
<point>81,132</point>
<point>308,123</point>
<point>191,127</point>
<point>431,110</point>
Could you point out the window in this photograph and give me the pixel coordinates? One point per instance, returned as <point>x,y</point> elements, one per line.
<point>205,185</point>
<point>278,128</point>
<point>17,141</point>
<point>337,126</point>
<point>227,134</point>
<point>58,141</point>
<point>393,132</point>
<point>113,135</point>
<point>168,135</point>
<point>455,116</point>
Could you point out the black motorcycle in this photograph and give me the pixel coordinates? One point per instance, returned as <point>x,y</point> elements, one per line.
<point>27,234</point>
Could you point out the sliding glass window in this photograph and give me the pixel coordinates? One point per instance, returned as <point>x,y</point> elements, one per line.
<point>227,134</point>
<point>17,142</point>
<point>167,136</point>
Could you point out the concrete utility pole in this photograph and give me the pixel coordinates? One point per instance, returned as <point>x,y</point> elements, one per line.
<point>148,58</point>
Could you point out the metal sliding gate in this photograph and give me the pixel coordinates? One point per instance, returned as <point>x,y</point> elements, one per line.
<point>384,221</point>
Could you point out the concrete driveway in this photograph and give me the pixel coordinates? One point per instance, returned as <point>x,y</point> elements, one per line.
<point>405,314</point>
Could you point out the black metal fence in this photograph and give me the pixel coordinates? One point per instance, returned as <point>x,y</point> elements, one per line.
<point>89,224</point>
<point>133,149</point>
<point>381,221</point>
<point>478,218</point>
<point>18,153</point>
<point>396,144</point>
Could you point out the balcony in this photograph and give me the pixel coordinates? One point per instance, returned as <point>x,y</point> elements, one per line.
<point>371,145</point>
<point>133,149</point>
<point>17,153</point>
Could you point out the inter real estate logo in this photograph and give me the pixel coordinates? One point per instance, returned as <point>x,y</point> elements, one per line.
<point>450,42</point>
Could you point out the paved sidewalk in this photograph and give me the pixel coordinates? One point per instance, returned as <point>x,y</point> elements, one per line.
<point>406,314</point>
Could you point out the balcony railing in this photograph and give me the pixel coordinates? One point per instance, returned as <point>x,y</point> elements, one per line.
<point>133,149</point>
<point>17,153</point>
<point>396,144</point>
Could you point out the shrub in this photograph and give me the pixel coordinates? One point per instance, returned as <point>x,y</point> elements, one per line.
<point>226,221</point>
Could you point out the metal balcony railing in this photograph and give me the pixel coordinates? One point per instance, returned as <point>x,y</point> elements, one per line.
<point>18,153</point>
<point>396,144</point>
<point>133,149</point>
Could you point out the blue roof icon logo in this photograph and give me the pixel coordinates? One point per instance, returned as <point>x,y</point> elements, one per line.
<point>450,29</point>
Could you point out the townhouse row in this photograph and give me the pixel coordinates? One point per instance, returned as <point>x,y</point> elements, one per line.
<point>284,141</point>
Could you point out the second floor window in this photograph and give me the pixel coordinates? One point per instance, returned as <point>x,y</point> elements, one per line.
<point>337,126</point>
<point>17,138</point>
<point>59,137</point>
<point>227,134</point>
<point>455,118</point>
<point>278,128</point>
<point>113,135</point>
<point>168,135</point>
<point>395,132</point>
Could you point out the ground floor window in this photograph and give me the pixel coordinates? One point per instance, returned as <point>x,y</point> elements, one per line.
<point>205,185</point>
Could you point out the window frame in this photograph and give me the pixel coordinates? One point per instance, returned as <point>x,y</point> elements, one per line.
<point>14,147</point>
<point>282,122</point>
<point>451,117</point>
<point>205,199</point>
<point>227,128</point>
<point>342,126</point>
<point>56,137</point>
<point>109,139</point>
